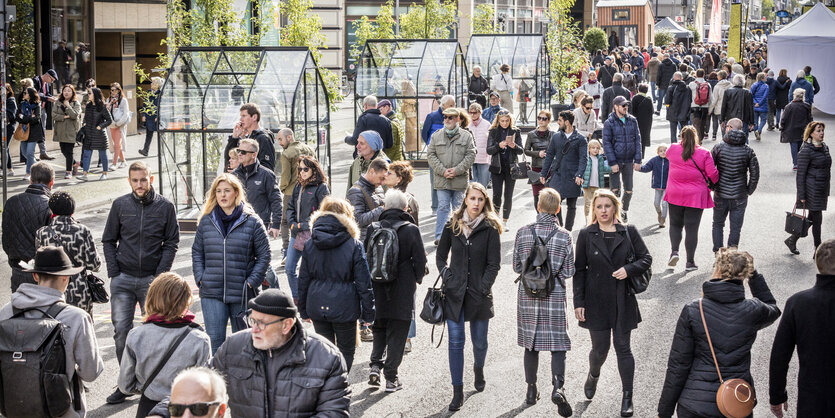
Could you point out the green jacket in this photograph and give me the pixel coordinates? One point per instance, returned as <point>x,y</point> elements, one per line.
<point>289,160</point>
<point>64,129</point>
<point>602,168</point>
<point>395,153</point>
<point>359,167</point>
<point>457,152</point>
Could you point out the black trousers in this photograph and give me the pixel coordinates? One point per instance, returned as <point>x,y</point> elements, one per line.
<point>503,183</point>
<point>145,406</point>
<point>149,136</point>
<point>570,212</point>
<point>557,367</point>
<point>389,340</point>
<point>683,217</point>
<point>600,341</point>
<point>343,334</point>
<point>66,150</point>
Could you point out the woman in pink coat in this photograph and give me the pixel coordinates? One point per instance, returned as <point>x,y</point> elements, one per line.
<point>687,193</point>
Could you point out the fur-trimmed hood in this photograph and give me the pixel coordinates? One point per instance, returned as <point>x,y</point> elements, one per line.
<point>332,229</point>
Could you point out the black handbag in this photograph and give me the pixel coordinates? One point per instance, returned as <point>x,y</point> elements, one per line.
<point>638,284</point>
<point>433,309</point>
<point>97,289</point>
<point>80,136</point>
<point>798,223</point>
<point>520,170</point>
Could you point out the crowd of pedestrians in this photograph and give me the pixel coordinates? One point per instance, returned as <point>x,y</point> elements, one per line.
<point>353,265</point>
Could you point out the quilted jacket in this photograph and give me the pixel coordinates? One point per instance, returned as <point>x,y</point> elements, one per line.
<point>739,170</point>
<point>622,141</point>
<point>23,215</point>
<point>223,266</point>
<point>814,175</point>
<point>760,92</point>
<point>733,322</point>
<point>95,139</point>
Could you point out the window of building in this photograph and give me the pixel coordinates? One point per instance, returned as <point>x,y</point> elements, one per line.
<point>620,14</point>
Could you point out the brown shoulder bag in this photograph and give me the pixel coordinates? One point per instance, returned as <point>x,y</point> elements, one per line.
<point>736,397</point>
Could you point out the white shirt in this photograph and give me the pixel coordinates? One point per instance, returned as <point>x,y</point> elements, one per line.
<point>502,82</point>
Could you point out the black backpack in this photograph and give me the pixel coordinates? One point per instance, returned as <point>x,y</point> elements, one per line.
<point>536,276</point>
<point>33,372</point>
<point>382,252</point>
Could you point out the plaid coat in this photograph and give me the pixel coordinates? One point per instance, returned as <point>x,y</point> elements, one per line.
<point>540,322</point>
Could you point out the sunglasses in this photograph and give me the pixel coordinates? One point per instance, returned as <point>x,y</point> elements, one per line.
<point>244,152</point>
<point>503,112</point>
<point>304,169</point>
<point>542,118</point>
<point>197,409</point>
<point>448,117</point>
<point>589,108</point>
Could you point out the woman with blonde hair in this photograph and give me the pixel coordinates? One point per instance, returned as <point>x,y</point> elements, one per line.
<point>504,145</point>
<point>469,258</point>
<point>337,293</point>
<point>732,323</point>
<point>168,323</point>
<point>814,178</point>
<point>230,256</point>
<point>119,109</point>
<point>604,302</point>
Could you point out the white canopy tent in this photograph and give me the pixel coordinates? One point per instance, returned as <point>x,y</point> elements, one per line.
<point>808,40</point>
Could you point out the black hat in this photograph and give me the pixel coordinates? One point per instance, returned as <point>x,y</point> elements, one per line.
<point>54,261</point>
<point>274,302</point>
<point>52,73</point>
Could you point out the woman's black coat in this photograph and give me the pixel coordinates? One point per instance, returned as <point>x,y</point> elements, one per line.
<point>474,265</point>
<point>35,122</point>
<point>396,300</point>
<point>733,322</point>
<point>814,175</point>
<point>643,109</point>
<point>494,137</point>
<point>300,210</point>
<point>793,121</point>
<point>95,139</point>
<point>11,112</point>
<point>608,302</point>
<point>781,92</point>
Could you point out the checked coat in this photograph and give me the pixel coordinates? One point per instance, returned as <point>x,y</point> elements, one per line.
<point>540,322</point>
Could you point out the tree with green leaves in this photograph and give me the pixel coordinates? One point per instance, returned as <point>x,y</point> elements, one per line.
<point>381,28</point>
<point>21,62</point>
<point>697,34</point>
<point>484,20</point>
<point>434,20</point>
<point>768,9</point>
<point>663,37</point>
<point>563,40</point>
<point>594,39</point>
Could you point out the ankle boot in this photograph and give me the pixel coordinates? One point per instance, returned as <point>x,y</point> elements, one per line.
<point>479,378</point>
<point>626,404</point>
<point>791,242</point>
<point>457,398</point>
<point>533,394</point>
<point>559,399</point>
<point>591,386</point>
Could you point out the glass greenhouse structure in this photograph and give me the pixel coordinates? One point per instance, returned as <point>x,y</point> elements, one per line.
<point>530,70</point>
<point>200,105</point>
<point>413,74</point>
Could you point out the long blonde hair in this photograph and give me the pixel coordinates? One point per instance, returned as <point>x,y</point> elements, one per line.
<point>611,196</point>
<point>489,213</point>
<point>499,115</point>
<point>211,195</point>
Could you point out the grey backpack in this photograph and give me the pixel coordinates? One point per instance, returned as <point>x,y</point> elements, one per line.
<point>383,251</point>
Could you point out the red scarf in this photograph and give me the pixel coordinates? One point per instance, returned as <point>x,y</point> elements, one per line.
<point>187,318</point>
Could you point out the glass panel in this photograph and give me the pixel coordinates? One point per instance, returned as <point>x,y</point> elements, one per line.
<point>182,97</point>
<point>275,86</point>
<point>524,59</point>
<point>182,163</point>
<point>70,24</point>
<point>434,70</point>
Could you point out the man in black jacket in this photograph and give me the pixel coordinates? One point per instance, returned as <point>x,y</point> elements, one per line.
<point>665,76</point>
<point>394,300</point>
<point>615,90</point>
<point>677,99</point>
<point>606,72</point>
<point>807,324</point>
<point>738,103</point>
<point>372,120</point>
<point>739,173</point>
<point>249,126</point>
<point>23,215</point>
<point>366,195</point>
<point>140,241</point>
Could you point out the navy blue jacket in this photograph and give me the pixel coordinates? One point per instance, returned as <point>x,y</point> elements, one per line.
<point>152,118</point>
<point>567,157</point>
<point>622,141</point>
<point>223,266</point>
<point>338,290</point>
<point>433,122</point>
<point>660,168</point>
<point>373,120</point>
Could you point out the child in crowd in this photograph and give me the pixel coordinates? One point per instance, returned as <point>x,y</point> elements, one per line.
<point>593,177</point>
<point>660,167</point>
<point>233,160</point>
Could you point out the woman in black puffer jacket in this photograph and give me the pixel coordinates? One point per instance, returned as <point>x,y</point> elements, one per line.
<point>96,119</point>
<point>334,282</point>
<point>308,195</point>
<point>814,177</point>
<point>733,322</point>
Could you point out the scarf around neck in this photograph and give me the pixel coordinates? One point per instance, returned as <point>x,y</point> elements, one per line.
<point>226,221</point>
<point>469,224</point>
<point>451,132</point>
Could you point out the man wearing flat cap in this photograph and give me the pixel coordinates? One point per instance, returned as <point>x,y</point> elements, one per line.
<point>51,270</point>
<point>277,357</point>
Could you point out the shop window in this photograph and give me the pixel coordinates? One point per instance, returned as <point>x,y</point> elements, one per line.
<point>620,14</point>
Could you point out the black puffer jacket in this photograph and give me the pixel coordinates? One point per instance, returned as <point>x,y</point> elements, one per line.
<point>738,103</point>
<point>364,213</point>
<point>814,175</point>
<point>733,322</point>
<point>665,73</point>
<point>739,170</point>
<point>23,215</point>
<point>95,139</point>
<point>678,100</point>
<point>303,203</point>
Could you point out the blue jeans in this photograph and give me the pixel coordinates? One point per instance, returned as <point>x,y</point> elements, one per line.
<point>412,327</point>
<point>481,174</point>
<point>125,292</point>
<point>291,262</point>
<point>216,314</point>
<point>795,148</point>
<point>652,89</point>
<point>448,202</point>
<point>87,154</point>
<point>724,207</point>
<point>478,333</point>
<point>778,113</point>
<point>661,94</point>
<point>27,149</point>
<point>432,190</point>
<point>760,119</point>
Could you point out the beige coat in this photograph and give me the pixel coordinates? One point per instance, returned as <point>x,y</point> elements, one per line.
<point>64,129</point>
<point>457,152</point>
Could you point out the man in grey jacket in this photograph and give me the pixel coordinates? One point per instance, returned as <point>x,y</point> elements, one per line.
<point>366,196</point>
<point>79,335</point>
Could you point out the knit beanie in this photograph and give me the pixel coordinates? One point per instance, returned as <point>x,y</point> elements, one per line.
<point>61,204</point>
<point>274,302</point>
<point>375,141</point>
